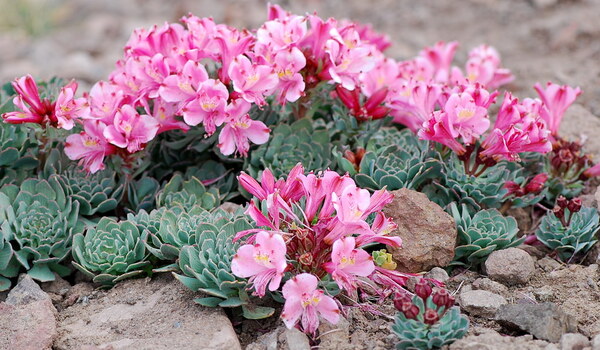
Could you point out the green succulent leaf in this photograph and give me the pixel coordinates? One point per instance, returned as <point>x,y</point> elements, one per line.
<point>481,234</point>
<point>578,237</point>
<point>38,220</point>
<point>415,334</point>
<point>111,251</point>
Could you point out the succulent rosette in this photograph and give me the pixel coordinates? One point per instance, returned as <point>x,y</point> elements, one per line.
<point>187,193</point>
<point>111,251</point>
<point>39,219</point>
<point>569,229</point>
<point>481,234</point>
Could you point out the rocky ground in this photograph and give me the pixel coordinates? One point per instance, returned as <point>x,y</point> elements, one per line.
<point>542,304</point>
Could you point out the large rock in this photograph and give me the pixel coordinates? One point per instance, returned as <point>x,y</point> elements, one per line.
<point>27,318</point>
<point>145,314</point>
<point>427,231</point>
<point>510,266</point>
<point>544,321</point>
<point>481,303</point>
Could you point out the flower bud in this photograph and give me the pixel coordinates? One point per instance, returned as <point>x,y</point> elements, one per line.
<point>558,212</point>
<point>431,316</point>
<point>562,202</point>
<point>440,297</point>
<point>423,289</point>
<point>410,310</point>
<point>512,187</point>
<point>537,183</point>
<point>400,299</point>
<point>566,156</point>
<point>574,205</point>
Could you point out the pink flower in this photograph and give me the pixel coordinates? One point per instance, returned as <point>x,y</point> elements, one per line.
<point>466,118</point>
<point>89,146</point>
<point>483,67</point>
<point>250,80</point>
<point>165,114</point>
<point>348,58</point>
<point>530,136</point>
<point>347,262</point>
<point>288,63</point>
<point>231,43</point>
<point>556,99</point>
<point>264,262</point>
<point>282,33</point>
<point>32,108</point>
<point>352,204</point>
<point>104,99</point>
<point>68,109</point>
<point>440,56</point>
<point>208,107</point>
<point>438,129</point>
<point>383,75</point>
<point>182,86</point>
<point>304,301</point>
<point>130,129</point>
<point>381,228</point>
<point>239,128</point>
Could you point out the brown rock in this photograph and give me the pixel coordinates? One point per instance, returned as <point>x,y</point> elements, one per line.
<point>510,266</point>
<point>427,231</point>
<point>30,326</point>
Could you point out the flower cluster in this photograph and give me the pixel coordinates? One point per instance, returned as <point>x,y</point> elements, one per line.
<point>314,228</point>
<point>177,76</point>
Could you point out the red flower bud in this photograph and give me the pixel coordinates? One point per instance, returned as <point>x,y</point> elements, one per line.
<point>423,289</point>
<point>441,297</point>
<point>558,212</point>
<point>574,205</point>
<point>431,316</point>
<point>562,202</point>
<point>400,299</point>
<point>512,187</point>
<point>410,310</point>
<point>537,183</point>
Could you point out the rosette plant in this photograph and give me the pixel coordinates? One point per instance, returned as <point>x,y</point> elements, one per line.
<point>569,229</point>
<point>393,159</point>
<point>38,220</point>
<point>179,227</point>
<point>96,193</point>
<point>187,193</point>
<point>429,320</point>
<point>206,266</point>
<point>481,234</point>
<point>111,251</point>
<point>299,142</point>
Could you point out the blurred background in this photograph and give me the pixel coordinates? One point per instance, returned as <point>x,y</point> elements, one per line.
<point>539,40</point>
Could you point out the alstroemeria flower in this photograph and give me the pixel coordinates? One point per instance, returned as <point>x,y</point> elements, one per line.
<point>89,146</point>
<point>438,129</point>
<point>68,108</point>
<point>288,63</point>
<point>483,67</point>
<point>556,99</point>
<point>165,114</point>
<point>347,262</point>
<point>440,56</point>
<point>208,107</point>
<point>239,128</point>
<point>104,99</point>
<point>465,117</point>
<point>130,129</point>
<point>182,86</point>
<point>303,301</point>
<point>264,262</point>
<point>252,81</point>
